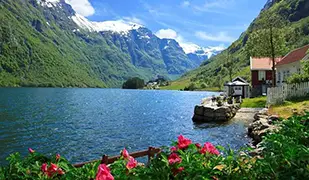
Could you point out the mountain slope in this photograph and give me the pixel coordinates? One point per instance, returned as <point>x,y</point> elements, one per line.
<point>29,55</point>
<point>46,43</point>
<point>213,73</point>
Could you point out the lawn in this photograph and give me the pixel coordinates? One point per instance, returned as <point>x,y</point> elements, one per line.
<point>259,102</point>
<point>286,110</point>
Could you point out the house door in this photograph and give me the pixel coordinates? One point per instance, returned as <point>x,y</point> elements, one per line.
<point>237,90</point>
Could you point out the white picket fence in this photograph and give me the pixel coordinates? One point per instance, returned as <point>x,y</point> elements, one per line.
<point>277,95</point>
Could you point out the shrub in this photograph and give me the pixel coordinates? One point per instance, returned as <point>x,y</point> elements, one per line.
<point>219,101</point>
<point>203,85</point>
<point>191,87</point>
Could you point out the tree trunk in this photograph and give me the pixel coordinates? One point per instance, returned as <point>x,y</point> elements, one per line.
<point>273,57</point>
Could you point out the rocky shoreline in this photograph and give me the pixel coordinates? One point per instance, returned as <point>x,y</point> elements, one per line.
<point>263,124</point>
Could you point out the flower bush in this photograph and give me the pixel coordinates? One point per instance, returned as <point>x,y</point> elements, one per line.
<point>285,155</point>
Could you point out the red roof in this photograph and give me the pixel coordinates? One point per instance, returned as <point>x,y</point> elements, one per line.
<point>264,63</point>
<point>296,55</point>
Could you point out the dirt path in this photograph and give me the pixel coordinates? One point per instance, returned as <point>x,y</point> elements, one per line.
<point>246,114</point>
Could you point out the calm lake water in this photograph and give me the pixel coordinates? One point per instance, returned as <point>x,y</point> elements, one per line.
<point>84,124</point>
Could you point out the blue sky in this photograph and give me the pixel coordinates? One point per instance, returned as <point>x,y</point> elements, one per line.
<point>203,22</point>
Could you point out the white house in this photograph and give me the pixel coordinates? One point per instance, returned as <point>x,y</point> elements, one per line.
<point>291,64</point>
<point>238,87</point>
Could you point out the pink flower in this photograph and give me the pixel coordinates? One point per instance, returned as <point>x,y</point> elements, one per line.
<point>60,171</point>
<point>31,150</point>
<point>198,145</point>
<point>58,157</point>
<point>132,163</point>
<point>125,153</point>
<point>183,142</point>
<point>173,149</point>
<point>52,168</point>
<point>209,148</point>
<point>44,168</point>
<point>178,170</point>
<point>174,158</point>
<point>104,173</point>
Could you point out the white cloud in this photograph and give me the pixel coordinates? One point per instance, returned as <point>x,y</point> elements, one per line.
<point>187,46</point>
<point>185,4</point>
<point>215,6</point>
<point>217,3</point>
<point>82,7</point>
<point>220,37</point>
<point>166,33</point>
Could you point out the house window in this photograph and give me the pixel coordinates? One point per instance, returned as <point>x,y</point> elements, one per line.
<point>288,74</point>
<point>298,71</point>
<point>262,75</point>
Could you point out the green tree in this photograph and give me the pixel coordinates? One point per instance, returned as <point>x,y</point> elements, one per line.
<point>229,65</point>
<point>268,40</point>
<point>303,77</point>
<point>192,86</point>
<point>134,83</point>
<point>218,82</point>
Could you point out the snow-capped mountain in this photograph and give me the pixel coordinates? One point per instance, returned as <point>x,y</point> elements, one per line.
<point>71,50</point>
<point>119,26</point>
<point>200,54</point>
<point>194,52</point>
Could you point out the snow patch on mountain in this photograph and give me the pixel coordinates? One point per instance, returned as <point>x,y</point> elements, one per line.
<point>82,22</point>
<point>190,48</point>
<point>119,26</point>
<point>48,3</point>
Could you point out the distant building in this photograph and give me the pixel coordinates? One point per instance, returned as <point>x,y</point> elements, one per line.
<point>238,87</point>
<point>261,74</point>
<point>291,64</point>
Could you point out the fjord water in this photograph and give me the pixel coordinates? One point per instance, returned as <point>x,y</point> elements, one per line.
<point>84,124</point>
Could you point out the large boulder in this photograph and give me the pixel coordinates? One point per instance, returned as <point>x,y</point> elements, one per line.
<point>209,113</point>
<point>199,110</point>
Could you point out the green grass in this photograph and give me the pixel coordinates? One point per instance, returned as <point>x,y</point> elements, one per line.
<point>259,102</point>
<point>286,110</point>
<point>177,85</point>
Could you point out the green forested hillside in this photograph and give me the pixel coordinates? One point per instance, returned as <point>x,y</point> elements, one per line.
<point>42,46</point>
<point>214,73</point>
<point>35,54</point>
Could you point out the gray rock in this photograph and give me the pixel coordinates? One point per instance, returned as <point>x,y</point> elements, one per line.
<point>199,110</point>
<point>261,126</point>
<point>214,113</point>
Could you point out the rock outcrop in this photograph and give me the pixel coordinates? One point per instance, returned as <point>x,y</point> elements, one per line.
<point>262,124</point>
<point>208,113</point>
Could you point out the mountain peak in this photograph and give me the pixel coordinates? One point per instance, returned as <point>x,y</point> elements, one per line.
<point>191,48</point>
<point>118,26</point>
